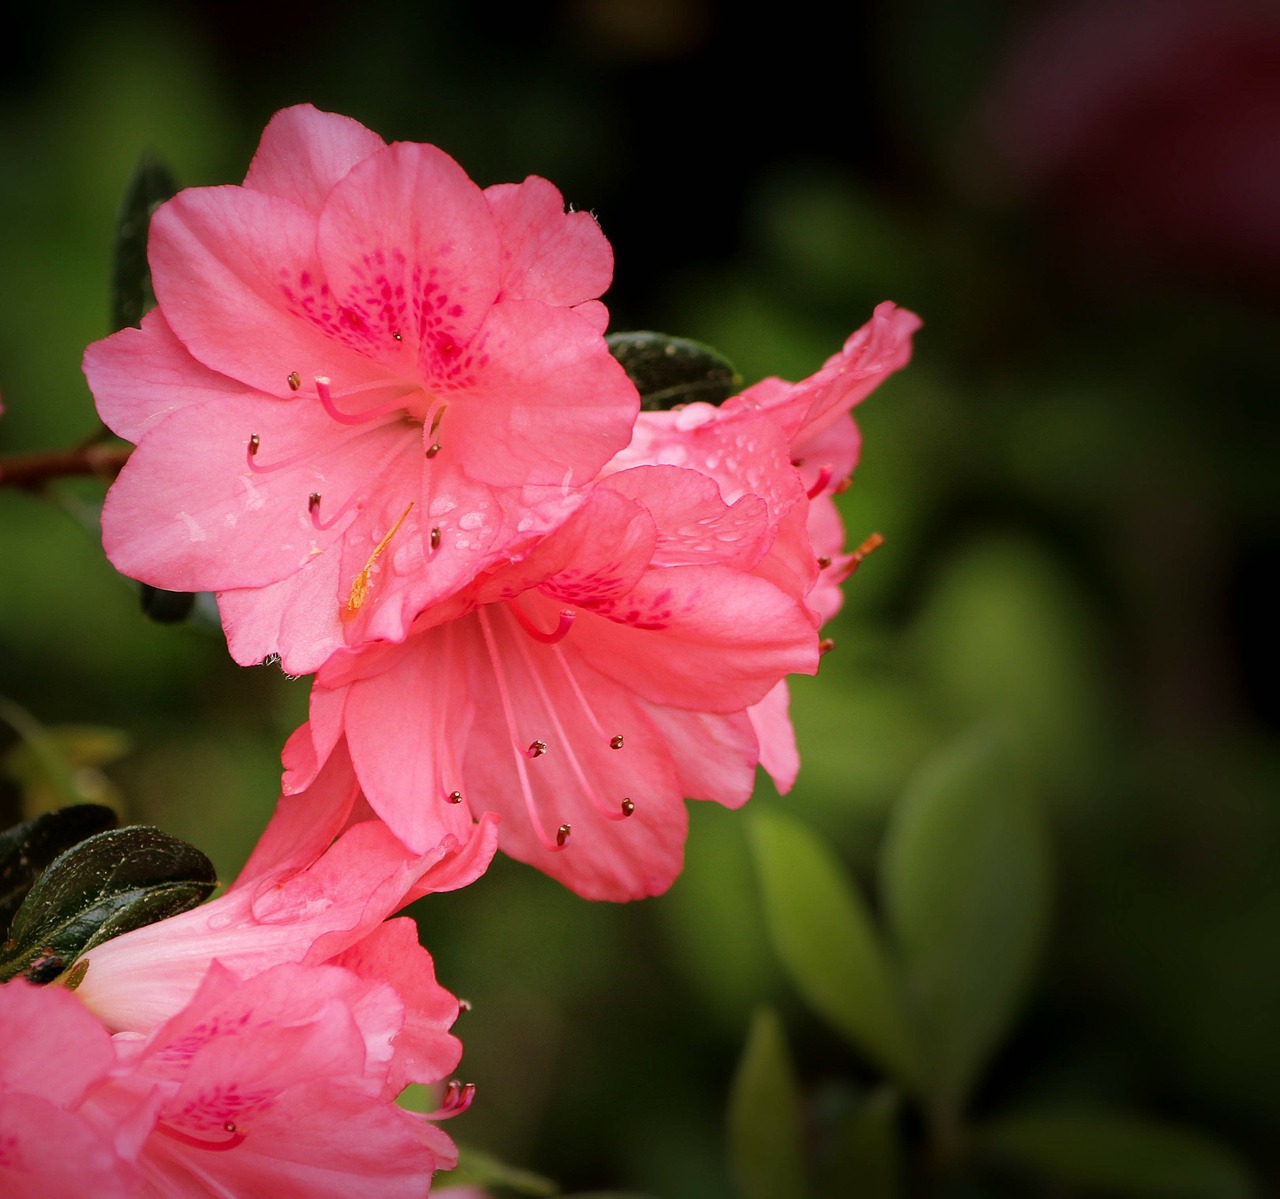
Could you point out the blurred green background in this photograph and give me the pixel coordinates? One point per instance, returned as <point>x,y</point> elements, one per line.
<point>1076,480</point>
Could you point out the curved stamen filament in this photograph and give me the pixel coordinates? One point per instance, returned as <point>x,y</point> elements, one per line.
<point>456,1099</point>
<point>517,753</point>
<point>820,484</point>
<point>557,634</point>
<point>313,507</point>
<point>234,1137</point>
<point>353,418</point>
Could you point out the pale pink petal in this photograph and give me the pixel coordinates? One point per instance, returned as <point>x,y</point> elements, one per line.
<point>190,513</point>
<point>545,401</point>
<point>239,281</point>
<point>409,246</point>
<point>139,376</point>
<point>51,1046</point>
<point>708,639</point>
<point>714,756</point>
<point>547,254</point>
<point>772,724</point>
<point>304,152</point>
<point>48,1152</point>
<point>424,1048</point>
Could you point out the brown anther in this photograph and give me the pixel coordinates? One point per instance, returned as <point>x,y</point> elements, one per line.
<point>396,336</point>
<point>615,742</point>
<point>826,645</point>
<point>464,1005</point>
<point>824,562</point>
<point>874,542</point>
<point>562,835</point>
<point>228,1127</point>
<point>433,449</point>
<point>313,501</point>
<point>435,538</point>
<point>439,416</point>
<point>254,442</point>
<point>628,806</point>
<point>841,487</point>
<point>455,796</point>
<point>797,462</point>
<point>537,749</point>
<point>294,380</point>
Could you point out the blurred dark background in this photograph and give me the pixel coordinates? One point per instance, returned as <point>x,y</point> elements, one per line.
<point>1076,479</point>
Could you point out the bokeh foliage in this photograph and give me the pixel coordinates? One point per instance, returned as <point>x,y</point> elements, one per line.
<point>1075,479</point>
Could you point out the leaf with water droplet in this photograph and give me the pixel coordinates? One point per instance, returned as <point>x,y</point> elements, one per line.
<point>106,885</point>
<point>27,849</point>
<point>668,371</point>
<point>131,292</point>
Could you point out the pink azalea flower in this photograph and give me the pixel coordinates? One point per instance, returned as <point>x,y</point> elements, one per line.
<point>583,693</point>
<point>367,381</point>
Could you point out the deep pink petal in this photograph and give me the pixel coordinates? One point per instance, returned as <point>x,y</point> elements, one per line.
<point>304,152</point>
<point>139,376</point>
<point>547,254</point>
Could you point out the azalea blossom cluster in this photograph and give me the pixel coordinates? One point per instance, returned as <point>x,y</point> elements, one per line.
<point>375,412</point>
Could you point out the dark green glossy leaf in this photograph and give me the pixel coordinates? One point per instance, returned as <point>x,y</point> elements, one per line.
<point>668,371</point>
<point>131,293</point>
<point>478,1169</point>
<point>107,885</point>
<point>1116,1154</point>
<point>966,894</point>
<point>825,939</point>
<point>766,1153</point>
<point>866,1155</point>
<point>28,848</point>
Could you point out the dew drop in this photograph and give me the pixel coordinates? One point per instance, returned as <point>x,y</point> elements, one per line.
<point>562,835</point>
<point>294,380</point>
<point>455,796</point>
<point>628,806</point>
<point>615,742</point>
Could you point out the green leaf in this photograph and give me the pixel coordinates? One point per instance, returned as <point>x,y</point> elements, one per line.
<point>966,891</point>
<point>478,1169</point>
<point>28,848</point>
<point>107,885</point>
<point>766,1154</point>
<point>824,938</point>
<point>131,293</point>
<point>866,1155</point>
<point>1116,1153</point>
<point>668,371</point>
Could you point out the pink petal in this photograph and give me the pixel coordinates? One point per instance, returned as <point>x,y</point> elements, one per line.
<point>139,376</point>
<point>304,152</point>
<point>48,1152</point>
<point>772,724</point>
<point>52,1047</point>
<point>547,254</point>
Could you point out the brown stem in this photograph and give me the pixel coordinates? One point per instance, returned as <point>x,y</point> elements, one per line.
<point>35,469</point>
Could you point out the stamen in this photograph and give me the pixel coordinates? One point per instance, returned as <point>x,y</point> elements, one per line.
<point>577,691</point>
<point>433,449</point>
<point>235,1138</point>
<point>536,749</point>
<point>628,806</point>
<point>874,542</point>
<point>557,634</point>
<point>820,485</point>
<point>562,835</point>
<point>396,336</point>
<point>435,538</point>
<point>437,418</point>
<point>504,696</point>
<point>360,587</point>
<point>826,645</point>
<point>615,742</point>
<point>843,486</point>
<point>455,797</point>
<point>456,1099</point>
<point>313,507</point>
<point>294,380</point>
<point>352,418</point>
<point>823,562</point>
